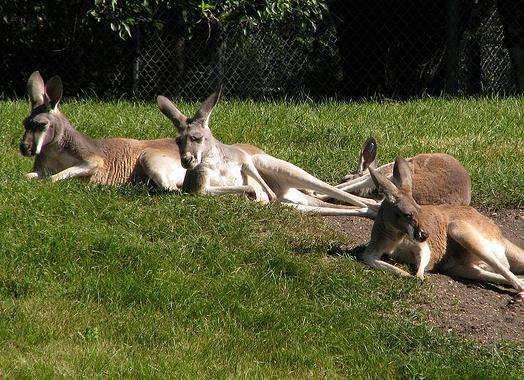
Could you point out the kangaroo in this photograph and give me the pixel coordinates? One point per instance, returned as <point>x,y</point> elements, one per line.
<point>217,168</point>
<point>62,152</point>
<point>451,239</point>
<point>367,158</point>
<point>438,178</point>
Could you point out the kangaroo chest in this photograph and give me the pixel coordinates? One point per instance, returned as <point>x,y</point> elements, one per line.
<point>408,252</point>
<point>54,160</point>
<point>430,253</point>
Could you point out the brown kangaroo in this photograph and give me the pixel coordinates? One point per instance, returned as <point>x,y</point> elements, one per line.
<point>438,178</point>
<point>451,239</point>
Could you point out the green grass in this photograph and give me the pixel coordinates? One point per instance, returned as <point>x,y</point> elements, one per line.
<point>120,282</point>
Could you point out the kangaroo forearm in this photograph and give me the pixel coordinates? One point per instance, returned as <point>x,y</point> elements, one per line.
<point>195,180</point>
<point>379,264</point>
<point>74,171</point>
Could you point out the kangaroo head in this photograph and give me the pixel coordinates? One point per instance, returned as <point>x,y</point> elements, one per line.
<point>367,158</point>
<point>195,137</point>
<point>42,124</point>
<point>398,209</point>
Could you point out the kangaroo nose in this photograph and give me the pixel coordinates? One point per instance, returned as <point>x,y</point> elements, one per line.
<point>187,160</point>
<point>24,149</point>
<point>420,235</point>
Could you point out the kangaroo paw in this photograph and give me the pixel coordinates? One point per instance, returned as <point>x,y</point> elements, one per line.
<point>32,175</point>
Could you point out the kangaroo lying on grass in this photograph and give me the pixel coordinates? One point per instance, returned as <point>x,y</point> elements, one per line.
<point>451,239</point>
<point>217,168</point>
<point>62,152</point>
<point>438,178</point>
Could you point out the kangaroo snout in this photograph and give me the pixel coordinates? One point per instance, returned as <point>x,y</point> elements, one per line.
<point>188,161</point>
<point>25,149</point>
<point>419,234</point>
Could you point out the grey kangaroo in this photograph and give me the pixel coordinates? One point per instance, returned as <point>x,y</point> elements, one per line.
<point>451,239</point>
<point>217,168</point>
<point>62,152</point>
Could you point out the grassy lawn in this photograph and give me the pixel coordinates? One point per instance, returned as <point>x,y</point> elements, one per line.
<point>121,282</point>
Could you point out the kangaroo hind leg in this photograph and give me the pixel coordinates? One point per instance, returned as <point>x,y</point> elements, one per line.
<point>163,168</point>
<point>362,186</point>
<point>308,204</point>
<point>249,169</point>
<point>515,256</point>
<point>473,272</point>
<point>293,176</point>
<point>475,243</point>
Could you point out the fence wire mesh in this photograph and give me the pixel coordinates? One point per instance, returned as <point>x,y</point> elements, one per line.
<point>360,49</point>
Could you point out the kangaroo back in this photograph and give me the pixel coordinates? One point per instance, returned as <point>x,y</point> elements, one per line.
<point>120,161</point>
<point>439,178</point>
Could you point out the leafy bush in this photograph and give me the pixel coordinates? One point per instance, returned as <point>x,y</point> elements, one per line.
<point>122,16</point>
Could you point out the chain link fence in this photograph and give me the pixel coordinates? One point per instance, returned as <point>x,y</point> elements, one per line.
<point>360,49</point>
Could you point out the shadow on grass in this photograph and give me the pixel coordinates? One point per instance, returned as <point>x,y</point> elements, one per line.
<point>140,189</point>
<point>500,289</point>
<point>337,251</point>
<point>333,251</point>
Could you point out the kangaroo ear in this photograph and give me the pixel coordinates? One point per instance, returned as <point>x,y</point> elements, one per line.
<point>368,155</point>
<point>402,175</point>
<point>171,112</point>
<point>366,159</point>
<point>384,185</point>
<point>35,89</point>
<point>54,91</point>
<point>205,109</point>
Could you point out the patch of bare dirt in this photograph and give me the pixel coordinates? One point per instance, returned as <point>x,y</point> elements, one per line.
<point>483,312</point>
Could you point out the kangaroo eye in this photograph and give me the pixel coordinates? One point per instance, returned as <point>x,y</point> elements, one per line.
<point>195,139</point>
<point>35,126</point>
